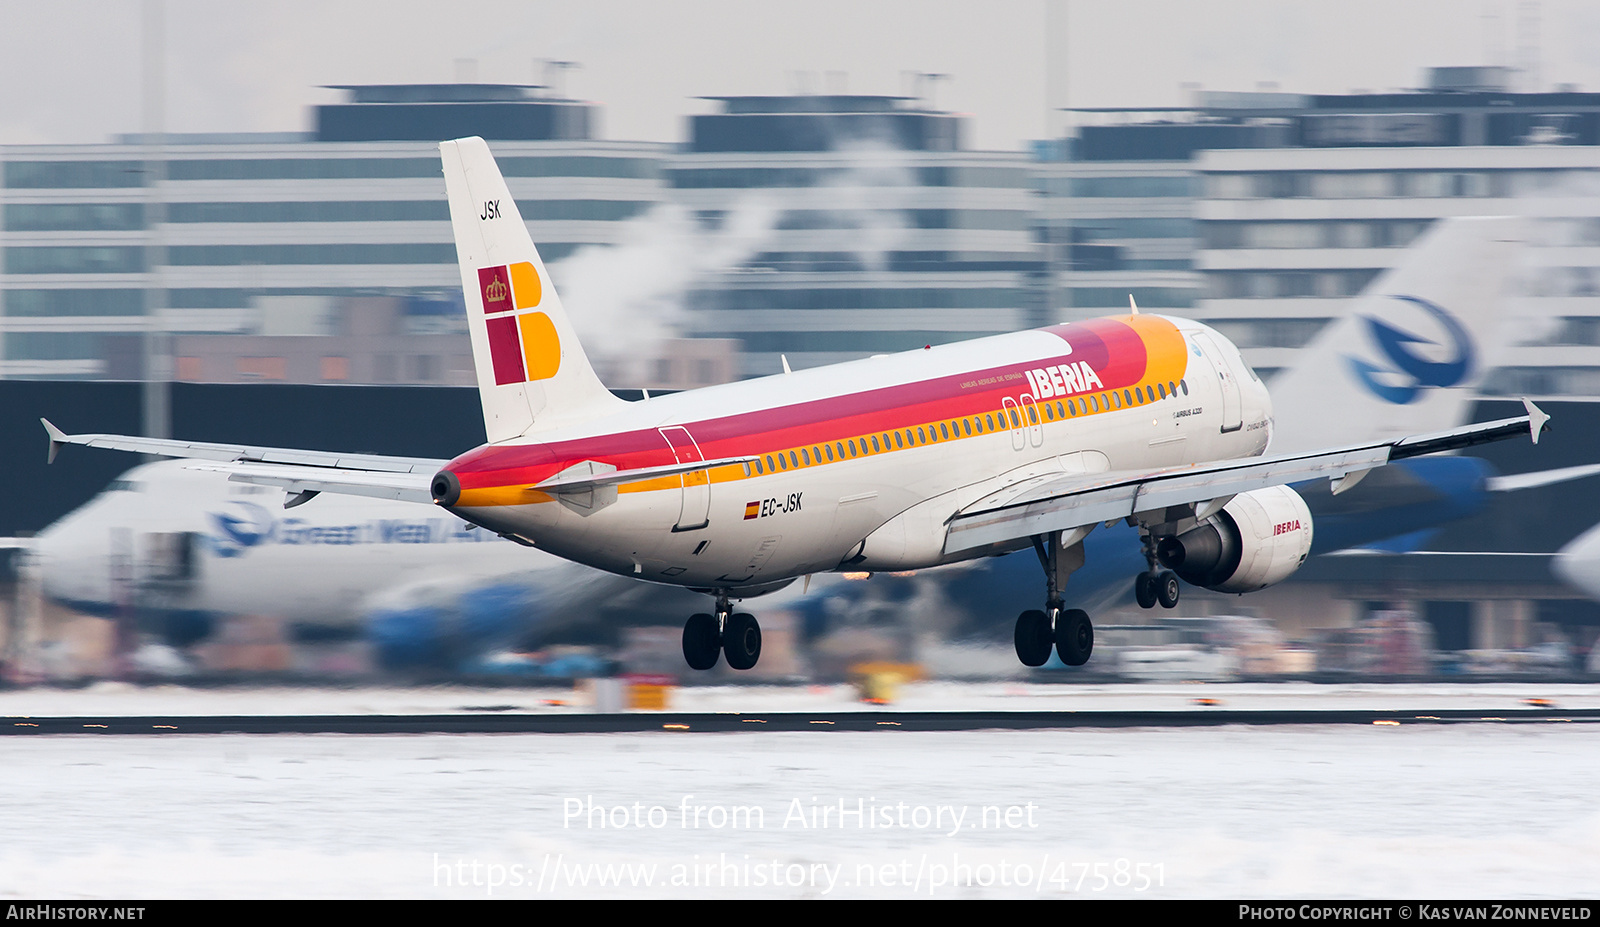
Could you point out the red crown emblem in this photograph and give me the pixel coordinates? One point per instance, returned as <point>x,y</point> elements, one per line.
<point>496,291</point>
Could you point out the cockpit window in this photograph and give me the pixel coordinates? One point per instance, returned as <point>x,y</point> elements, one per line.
<point>124,486</point>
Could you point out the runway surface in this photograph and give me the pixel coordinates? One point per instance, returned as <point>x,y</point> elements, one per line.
<point>743,722</point>
<point>1440,810</point>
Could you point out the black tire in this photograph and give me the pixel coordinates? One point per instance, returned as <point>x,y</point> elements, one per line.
<point>701,641</point>
<point>1033,638</point>
<point>1074,637</point>
<point>1144,590</point>
<point>1167,588</point>
<point>741,641</point>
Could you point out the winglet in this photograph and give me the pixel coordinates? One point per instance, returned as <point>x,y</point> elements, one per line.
<point>1133,305</point>
<point>1537,420</point>
<point>57,438</point>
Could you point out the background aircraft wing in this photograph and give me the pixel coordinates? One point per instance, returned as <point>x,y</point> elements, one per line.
<point>297,471</point>
<point>1065,502</point>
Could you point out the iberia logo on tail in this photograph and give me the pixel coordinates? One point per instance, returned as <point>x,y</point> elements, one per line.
<point>522,345</point>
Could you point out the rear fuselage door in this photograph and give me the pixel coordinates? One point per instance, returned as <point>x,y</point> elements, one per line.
<point>696,510</point>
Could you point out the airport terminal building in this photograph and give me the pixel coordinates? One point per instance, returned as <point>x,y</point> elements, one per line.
<point>334,249</point>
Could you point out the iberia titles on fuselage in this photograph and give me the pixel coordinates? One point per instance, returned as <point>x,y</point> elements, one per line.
<point>881,451</point>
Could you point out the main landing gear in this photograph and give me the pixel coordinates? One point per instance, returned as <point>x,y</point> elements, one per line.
<point>734,635</point>
<point>1152,587</point>
<point>1068,630</point>
<point>1155,585</point>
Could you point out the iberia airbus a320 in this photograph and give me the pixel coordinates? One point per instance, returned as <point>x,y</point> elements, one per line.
<point>898,462</point>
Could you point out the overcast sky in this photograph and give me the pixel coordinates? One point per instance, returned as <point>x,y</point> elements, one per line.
<point>70,69</point>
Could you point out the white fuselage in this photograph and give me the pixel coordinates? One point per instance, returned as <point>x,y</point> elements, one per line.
<point>751,527</point>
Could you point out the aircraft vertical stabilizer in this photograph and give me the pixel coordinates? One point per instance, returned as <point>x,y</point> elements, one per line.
<point>532,373</point>
<point>1409,353</point>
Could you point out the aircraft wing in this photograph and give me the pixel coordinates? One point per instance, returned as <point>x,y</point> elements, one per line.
<point>1074,501</point>
<point>297,471</point>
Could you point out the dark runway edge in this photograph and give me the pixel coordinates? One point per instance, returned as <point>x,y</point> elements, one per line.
<point>724,722</point>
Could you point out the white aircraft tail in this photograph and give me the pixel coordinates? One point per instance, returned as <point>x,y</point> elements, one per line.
<point>1408,354</point>
<point>532,373</point>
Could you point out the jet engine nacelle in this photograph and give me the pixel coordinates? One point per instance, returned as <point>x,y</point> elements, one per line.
<point>1259,538</point>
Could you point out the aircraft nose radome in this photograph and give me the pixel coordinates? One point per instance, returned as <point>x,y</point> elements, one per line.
<point>1578,564</point>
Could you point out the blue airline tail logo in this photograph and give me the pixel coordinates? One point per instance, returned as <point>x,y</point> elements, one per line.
<point>1407,374</point>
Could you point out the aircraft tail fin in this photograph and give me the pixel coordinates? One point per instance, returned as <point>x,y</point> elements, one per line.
<point>1407,355</point>
<point>532,373</point>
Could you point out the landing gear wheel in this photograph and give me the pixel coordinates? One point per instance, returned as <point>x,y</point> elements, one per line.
<point>741,641</point>
<point>1166,588</point>
<point>1144,590</point>
<point>702,642</point>
<point>1074,637</point>
<point>1033,638</point>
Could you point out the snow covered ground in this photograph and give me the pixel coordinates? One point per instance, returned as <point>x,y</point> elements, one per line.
<point>123,699</point>
<point>1458,811</point>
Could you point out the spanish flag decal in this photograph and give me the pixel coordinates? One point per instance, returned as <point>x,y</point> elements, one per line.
<point>751,510</point>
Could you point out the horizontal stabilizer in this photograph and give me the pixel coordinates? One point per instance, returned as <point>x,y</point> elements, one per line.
<point>297,471</point>
<point>201,450</point>
<point>405,487</point>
